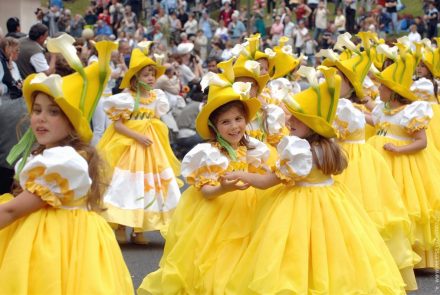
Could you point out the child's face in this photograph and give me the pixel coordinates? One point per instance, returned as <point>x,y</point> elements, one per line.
<point>148,75</point>
<point>264,66</point>
<point>297,127</point>
<point>385,93</point>
<point>232,125</point>
<point>254,87</point>
<point>422,70</point>
<point>48,121</point>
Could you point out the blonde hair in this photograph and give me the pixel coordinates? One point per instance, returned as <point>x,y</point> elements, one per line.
<point>328,156</point>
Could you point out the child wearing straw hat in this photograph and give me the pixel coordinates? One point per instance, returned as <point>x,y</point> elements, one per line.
<point>210,229</point>
<point>144,190</point>
<point>401,121</point>
<point>53,240</point>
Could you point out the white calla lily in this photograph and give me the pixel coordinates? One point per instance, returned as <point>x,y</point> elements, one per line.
<point>240,49</point>
<point>390,52</point>
<point>344,41</point>
<point>290,101</point>
<point>287,49</point>
<point>280,88</point>
<point>427,43</point>
<point>212,79</point>
<point>64,44</point>
<point>53,82</point>
<point>242,88</point>
<point>253,66</point>
<point>328,53</point>
<point>310,74</point>
<point>270,52</point>
<point>159,58</point>
<point>405,41</point>
<point>144,46</point>
<point>374,70</point>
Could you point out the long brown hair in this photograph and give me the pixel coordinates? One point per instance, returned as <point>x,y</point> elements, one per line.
<point>328,156</point>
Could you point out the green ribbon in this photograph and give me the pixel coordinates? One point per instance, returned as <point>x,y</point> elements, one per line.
<point>21,149</point>
<point>223,142</point>
<point>144,86</point>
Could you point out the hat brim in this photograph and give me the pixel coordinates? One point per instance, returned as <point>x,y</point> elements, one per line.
<point>125,83</point>
<point>73,114</point>
<point>252,106</point>
<point>353,78</point>
<point>261,80</point>
<point>317,124</point>
<point>406,93</point>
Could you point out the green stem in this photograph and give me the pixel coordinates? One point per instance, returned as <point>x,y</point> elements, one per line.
<point>21,149</point>
<point>318,93</point>
<point>83,90</point>
<point>403,72</point>
<point>332,102</point>
<point>98,95</point>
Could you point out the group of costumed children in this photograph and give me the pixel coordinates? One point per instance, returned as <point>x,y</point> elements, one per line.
<point>328,190</point>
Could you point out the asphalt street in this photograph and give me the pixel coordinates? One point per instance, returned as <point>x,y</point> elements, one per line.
<point>142,260</point>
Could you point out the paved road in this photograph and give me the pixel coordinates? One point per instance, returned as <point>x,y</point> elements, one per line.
<point>142,260</point>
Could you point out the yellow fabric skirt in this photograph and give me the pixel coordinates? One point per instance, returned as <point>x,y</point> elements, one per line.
<point>433,130</point>
<point>417,176</point>
<point>314,240</point>
<point>57,251</point>
<point>205,240</point>
<point>144,189</point>
<point>369,179</point>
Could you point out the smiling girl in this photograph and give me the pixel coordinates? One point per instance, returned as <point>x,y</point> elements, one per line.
<point>211,225</point>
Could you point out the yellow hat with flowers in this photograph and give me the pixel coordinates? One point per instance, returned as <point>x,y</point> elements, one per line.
<point>222,90</point>
<point>399,76</point>
<point>139,59</point>
<point>316,106</point>
<point>77,94</point>
<point>251,69</point>
<point>431,56</point>
<point>355,68</point>
<point>282,59</point>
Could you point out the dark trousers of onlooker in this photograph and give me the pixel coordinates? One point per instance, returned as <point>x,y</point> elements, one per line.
<point>432,30</point>
<point>6,180</point>
<point>350,16</point>
<point>337,3</point>
<point>312,16</point>
<point>270,5</point>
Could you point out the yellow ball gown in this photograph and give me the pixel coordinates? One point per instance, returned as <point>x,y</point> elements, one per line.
<point>311,238</point>
<point>62,248</point>
<point>369,178</point>
<point>144,190</point>
<point>206,238</point>
<point>416,174</point>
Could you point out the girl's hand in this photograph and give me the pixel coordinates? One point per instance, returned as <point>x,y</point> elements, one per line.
<point>232,185</point>
<point>391,148</point>
<point>142,139</point>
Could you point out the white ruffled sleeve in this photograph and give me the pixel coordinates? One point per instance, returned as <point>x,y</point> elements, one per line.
<point>257,155</point>
<point>58,175</point>
<point>162,103</point>
<point>203,165</point>
<point>295,159</point>
<point>275,121</point>
<point>119,106</point>
<point>416,116</point>
<point>377,113</point>
<point>423,89</point>
<point>348,118</point>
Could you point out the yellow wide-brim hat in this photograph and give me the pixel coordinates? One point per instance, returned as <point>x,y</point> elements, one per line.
<point>431,58</point>
<point>66,92</point>
<point>355,69</point>
<point>284,60</point>
<point>243,71</point>
<point>138,61</point>
<point>219,97</point>
<point>398,76</point>
<point>317,111</point>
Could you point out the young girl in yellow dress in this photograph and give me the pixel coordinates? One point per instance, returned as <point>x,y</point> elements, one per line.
<point>144,191</point>
<point>210,228</point>
<point>367,175</point>
<point>401,138</point>
<point>53,240</point>
<point>309,236</point>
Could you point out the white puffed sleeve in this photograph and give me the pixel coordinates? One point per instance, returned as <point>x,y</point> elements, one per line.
<point>257,155</point>
<point>119,106</point>
<point>423,89</point>
<point>162,104</point>
<point>377,112</point>
<point>348,118</point>
<point>416,116</point>
<point>203,165</point>
<point>57,176</point>
<point>295,159</point>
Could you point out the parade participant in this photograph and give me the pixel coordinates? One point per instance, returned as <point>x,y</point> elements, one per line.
<point>53,239</point>
<point>144,190</point>
<point>211,225</point>
<point>401,122</point>
<point>309,237</point>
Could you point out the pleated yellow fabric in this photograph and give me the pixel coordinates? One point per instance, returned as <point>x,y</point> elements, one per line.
<point>312,239</point>
<point>59,251</point>
<point>434,127</point>
<point>204,242</point>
